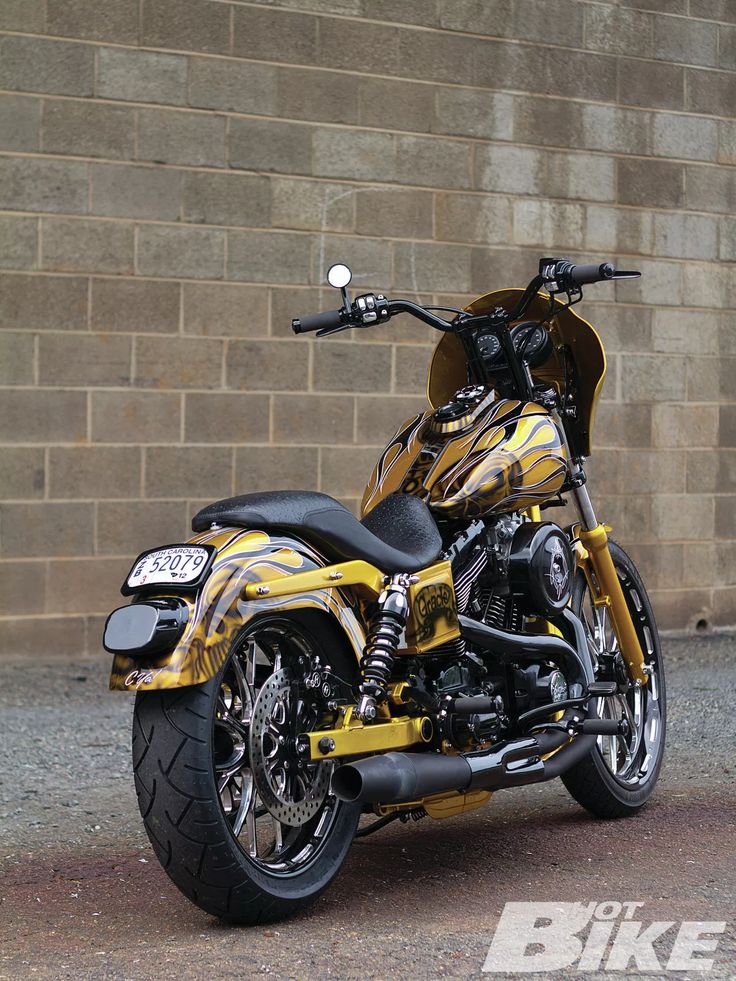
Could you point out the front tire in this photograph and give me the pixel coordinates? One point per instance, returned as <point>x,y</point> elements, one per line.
<point>619,775</point>
<point>208,790</point>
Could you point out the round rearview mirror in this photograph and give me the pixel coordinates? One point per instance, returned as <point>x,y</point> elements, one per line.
<point>339,275</point>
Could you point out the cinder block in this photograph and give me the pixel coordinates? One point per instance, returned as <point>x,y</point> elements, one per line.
<point>411,368</point>
<point>46,529</point>
<point>369,259</point>
<point>23,15</point>
<point>183,472</point>
<point>135,305</point>
<point>344,471</point>
<point>225,310</point>
<point>262,257</point>
<point>727,47</point>
<point>685,332</point>
<point>84,586</point>
<point>38,416</point>
<point>22,588</point>
<point>618,230</point>
<point>427,266</point>
<point>192,253</point>
<point>343,367</point>
<point>616,130</point>
<point>226,199</point>
<point>315,205</point>
<point>135,417</point>
<point>43,302</point>
<point>522,67</point>
<point>255,366</point>
<point>685,425</point>
<point>623,328</point>
<point>652,471</point>
<point>141,76</point>
<point>694,42</point>
<point>472,112</point>
<point>562,23</point>
<point>232,85</point>
<point>324,96</point>
<point>438,57</point>
<point>270,146</point>
<point>683,517</point>
<point>394,211</point>
<point>510,169</point>
<point>656,378</point>
<point>28,184</point>
<point>433,162</point>
<point>20,122</point>
<point>709,285</point>
<point>363,47</point>
<point>686,236</point>
<point>650,183</point>
<point>365,156</point>
<point>135,192</point>
<point>727,425</point>
<point>379,417</point>
<point>726,516</point>
<point>687,137</point>
<point>549,223</point>
<point>183,362</point>
<point>396,104</point>
<point>619,30</point>
<point>624,426</point>
<point>713,9</point>
<point>727,239</point>
<point>548,122</point>
<point>711,189</point>
<point>189,25</point>
<point>16,358</point>
<point>275,35</point>
<point>194,138</point>
<point>38,65</point>
<point>259,468</point>
<point>90,20</point>
<point>89,472</point>
<point>231,418</point>
<point>579,75</point>
<point>86,246</point>
<point>580,175</point>
<point>22,475</point>
<point>651,84</point>
<point>660,565</point>
<point>64,637</point>
<point>661,284</point>
<point>129,527</point>
<point>18,243</point>
<point>316,419</point>
<point>709,92</point>
<point>84,359</point>
<point>88,129</point>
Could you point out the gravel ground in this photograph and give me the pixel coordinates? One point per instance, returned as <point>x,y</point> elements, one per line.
<point>82,896</point>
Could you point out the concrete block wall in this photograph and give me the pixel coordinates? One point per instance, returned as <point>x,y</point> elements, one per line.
<point>176,176</point>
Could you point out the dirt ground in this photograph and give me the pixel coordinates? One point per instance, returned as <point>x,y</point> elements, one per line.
<point>82,896</point>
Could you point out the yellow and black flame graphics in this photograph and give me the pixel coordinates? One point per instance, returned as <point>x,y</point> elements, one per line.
<point>219,612</point>
<point>510,458</point>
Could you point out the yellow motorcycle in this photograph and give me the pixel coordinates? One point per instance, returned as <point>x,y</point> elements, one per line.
<point>303,677</point>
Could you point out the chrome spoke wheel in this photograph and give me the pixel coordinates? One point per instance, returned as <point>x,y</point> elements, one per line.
<point>277,805</point>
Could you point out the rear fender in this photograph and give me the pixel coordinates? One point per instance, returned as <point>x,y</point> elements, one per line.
<point>221,609</point>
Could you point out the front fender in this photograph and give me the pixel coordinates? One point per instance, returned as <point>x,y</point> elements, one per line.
<point>220,610</point>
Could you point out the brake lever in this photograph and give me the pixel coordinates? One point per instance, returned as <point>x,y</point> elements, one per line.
<point>326,331</point>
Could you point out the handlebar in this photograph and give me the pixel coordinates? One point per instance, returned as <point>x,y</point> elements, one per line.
<point>555,276</point>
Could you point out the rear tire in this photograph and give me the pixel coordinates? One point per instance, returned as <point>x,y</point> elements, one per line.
<point>593,782</point>
<point>187,746</point>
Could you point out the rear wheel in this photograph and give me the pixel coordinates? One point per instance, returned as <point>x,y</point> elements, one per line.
<point>243,825</point>
<point>620,774</point>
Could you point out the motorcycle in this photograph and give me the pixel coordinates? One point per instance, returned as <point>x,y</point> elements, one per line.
<point>303,677</point>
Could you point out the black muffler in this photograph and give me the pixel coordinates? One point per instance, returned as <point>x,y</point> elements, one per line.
<point>394,778</point>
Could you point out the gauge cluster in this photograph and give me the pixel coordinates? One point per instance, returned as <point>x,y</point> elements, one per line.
<point>531,340</point>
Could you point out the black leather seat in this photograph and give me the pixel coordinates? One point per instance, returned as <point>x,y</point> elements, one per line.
<point>399,534</point>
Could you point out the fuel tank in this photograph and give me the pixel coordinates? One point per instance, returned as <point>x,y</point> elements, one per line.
<point>474,456</point>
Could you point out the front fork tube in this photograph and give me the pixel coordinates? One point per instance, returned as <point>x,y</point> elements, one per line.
<point>607,588</point>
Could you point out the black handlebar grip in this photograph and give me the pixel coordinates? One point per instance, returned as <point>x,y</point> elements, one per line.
<point>326,320</point>
<point>580,275</point>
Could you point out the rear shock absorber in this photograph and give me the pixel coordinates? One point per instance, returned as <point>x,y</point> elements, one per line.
<point>381,643</point>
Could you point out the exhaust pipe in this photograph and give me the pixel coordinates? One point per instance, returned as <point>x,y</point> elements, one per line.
<point>396,778</point>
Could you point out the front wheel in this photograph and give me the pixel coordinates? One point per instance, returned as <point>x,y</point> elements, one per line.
<point>246,828</point>
<point>619,775</point>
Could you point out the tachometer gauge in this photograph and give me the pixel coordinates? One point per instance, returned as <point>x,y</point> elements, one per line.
<point>533,342</point>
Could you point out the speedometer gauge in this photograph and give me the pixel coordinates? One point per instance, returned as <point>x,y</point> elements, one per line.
<point>533,342</point>
<point>489,346</point>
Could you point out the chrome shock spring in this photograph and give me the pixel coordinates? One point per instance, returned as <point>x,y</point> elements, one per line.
<point>382,641</point>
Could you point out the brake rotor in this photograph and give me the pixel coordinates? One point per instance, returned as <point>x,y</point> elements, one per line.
<point>292,790</point>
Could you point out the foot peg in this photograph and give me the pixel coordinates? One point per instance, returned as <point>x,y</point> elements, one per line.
<point>603,727</point>
<point>602,689</point>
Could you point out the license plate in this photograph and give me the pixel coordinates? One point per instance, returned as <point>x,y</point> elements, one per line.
<point>184,566</point>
